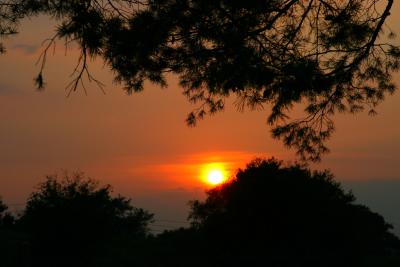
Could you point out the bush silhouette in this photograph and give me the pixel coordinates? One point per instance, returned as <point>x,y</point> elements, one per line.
<point>6,218</point>
<point>275,215</point>
<point>269,214</point>
<point>3,209</point>
<point>73,220</point>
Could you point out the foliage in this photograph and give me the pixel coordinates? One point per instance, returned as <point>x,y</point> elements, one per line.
<point>6,218</point>
<point>9,239</point>
<point>175,248</point>
<point>275,215</point>
<point>71,220</point>
<point>268,215</point>
<point>3,208</point>
<point>326,55</point>
<point>8,21</point>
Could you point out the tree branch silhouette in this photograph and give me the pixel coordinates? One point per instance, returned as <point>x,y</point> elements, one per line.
<point>326,55</point>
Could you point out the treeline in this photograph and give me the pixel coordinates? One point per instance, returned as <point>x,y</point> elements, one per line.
<point>270,214</point>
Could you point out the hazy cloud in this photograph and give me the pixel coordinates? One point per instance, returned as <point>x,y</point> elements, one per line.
<point>381,196</point>
<point>7,89</point>
<point>26,48</point>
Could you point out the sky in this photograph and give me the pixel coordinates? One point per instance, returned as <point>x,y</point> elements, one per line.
<point>141,145</point>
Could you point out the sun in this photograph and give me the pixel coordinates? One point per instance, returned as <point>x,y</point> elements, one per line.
<point>214,174</point>
<point>215,177</point>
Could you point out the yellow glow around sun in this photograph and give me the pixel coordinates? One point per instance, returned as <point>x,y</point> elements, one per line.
<point>214,173</point>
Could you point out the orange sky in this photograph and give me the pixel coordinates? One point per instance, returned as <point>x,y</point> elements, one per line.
<point>140,143</point>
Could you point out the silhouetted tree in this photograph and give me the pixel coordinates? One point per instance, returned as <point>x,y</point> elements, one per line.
<point>3,208</point>
<point>275,215</point>
<point>73,220</point>
<point>10,240</point>
<point>175,248</point>
<point>6,218</point>
<point>326,54</point>
<point>179,248</point>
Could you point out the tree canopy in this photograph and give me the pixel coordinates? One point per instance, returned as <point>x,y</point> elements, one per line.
<point>327,55</point>
<point>6,218</point>
<point>3,209</point>
<point>269,214</point>
<point>73,220</point>
<point>276,215</point>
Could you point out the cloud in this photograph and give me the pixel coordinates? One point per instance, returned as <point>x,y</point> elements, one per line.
<point>7,89</point>
<point>26,48</point>
<point>381,195</point>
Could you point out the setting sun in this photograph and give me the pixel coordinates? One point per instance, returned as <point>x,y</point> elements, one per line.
<point>215,177</point>
<point>214,173</point>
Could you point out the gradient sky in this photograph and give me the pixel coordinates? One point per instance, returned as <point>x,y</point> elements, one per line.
<point>141,145</point>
